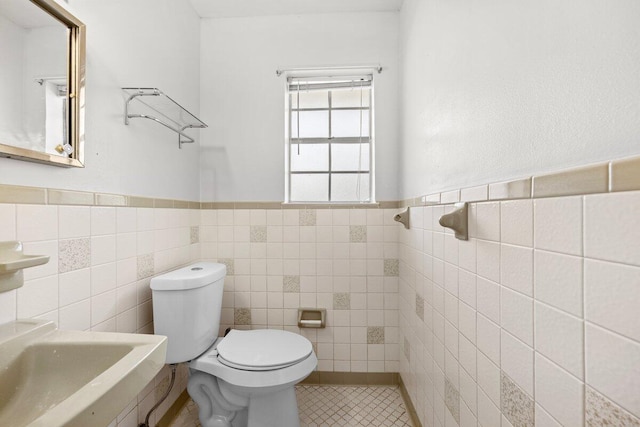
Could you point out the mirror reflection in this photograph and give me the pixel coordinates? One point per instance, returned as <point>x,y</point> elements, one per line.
<point>42,70</point>
<point>34,75</point>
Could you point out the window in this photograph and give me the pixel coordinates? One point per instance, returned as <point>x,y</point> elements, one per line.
<point>329,149</point>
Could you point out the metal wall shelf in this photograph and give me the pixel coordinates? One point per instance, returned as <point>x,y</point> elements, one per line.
<point>153,104</point>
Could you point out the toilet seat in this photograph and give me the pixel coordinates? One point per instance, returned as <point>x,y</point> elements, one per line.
<point>262,350</point>
<point>211,363</point>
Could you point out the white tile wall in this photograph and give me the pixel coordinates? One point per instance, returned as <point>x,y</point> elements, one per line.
<point>560,393</point>
<point>550,318</point>
<point>612,367</point>
<point>613,288</point>
<point>106,294</point>
<point>343,252</point>
<point>558,224</point>
<point>547,293</point>
<point>558,280</point>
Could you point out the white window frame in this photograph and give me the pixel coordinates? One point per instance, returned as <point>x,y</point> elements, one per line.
<point>325,82</point>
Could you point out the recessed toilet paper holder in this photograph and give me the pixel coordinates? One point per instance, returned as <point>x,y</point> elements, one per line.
<point>403,218</point>
<point>312,317</point>
<point>457,220</point>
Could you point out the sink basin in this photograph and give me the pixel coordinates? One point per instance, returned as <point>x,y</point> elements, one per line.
<point>50,377</point>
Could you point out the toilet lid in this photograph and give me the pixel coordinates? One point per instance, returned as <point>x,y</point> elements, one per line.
<point>262,349</point>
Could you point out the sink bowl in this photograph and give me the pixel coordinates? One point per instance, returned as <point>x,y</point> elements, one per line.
<point>50,377</point>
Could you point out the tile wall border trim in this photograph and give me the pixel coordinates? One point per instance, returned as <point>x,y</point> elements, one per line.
<point>51,196</point>
<point>609,177</point>
<point>351,378</point>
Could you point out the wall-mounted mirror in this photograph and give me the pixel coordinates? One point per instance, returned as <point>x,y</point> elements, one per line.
<point>42,72</point>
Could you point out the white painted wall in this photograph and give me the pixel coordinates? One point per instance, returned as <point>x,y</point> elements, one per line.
<point>243,99</point>
<point>44,56</point>
<point>152,43</point>
<point>498,90</point>
<point>12,41</point>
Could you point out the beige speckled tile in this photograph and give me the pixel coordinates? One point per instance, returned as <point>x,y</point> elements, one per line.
<point>602,412</point>
<point>307,217</point>
<point>242,316</point>
<point>452,399</point>
<point>291,284</point>
<point>194,235</point>
<point>406,348</point>
<point>420,307</point>
<point>515,404</point>
<point>358,233</point>
<point>258,234</point>
<point>375,335</point>
<point>74,254</point>
<point>391,267</point>
<point>146,266</point>
<point>341,301</point>
<point>228,262</point>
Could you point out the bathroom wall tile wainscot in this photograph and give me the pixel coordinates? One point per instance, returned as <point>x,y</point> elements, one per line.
<point>342,259</point>
<point>529,322</point>
<point>101,262</point>
<point>533,320</point>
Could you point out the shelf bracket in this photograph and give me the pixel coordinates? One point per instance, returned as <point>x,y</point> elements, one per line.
<point>163,110</point>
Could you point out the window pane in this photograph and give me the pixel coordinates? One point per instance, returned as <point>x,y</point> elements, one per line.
<point>310,99</point>
<point>344,157</point>
<point>309,157</point>
<point>347,123</point>
<point>313,124</point>
<point>310,187</point>
<point>344,187</point>
<point>350,97</point>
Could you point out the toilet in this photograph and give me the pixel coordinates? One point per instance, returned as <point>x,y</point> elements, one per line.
<point>245,379</point>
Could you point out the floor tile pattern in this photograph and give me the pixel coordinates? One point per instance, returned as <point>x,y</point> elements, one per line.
<point>333,406</point>
<point>325,406</point>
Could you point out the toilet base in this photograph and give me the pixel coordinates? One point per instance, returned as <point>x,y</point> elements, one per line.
<point>222,404</point>
<point>274,409</point>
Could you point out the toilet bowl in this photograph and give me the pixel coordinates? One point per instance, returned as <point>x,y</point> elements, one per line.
<point>235,383</point>
<point>245,379</point>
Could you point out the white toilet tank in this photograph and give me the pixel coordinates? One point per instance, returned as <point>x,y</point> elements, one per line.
<point>186,308</point>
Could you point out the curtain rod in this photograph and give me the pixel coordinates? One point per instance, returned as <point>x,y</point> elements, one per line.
<point>377,67</point>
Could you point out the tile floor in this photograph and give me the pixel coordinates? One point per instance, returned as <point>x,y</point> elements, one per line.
<point>329,406</point>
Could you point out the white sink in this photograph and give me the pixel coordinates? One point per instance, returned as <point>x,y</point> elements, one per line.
<point>52,378</point>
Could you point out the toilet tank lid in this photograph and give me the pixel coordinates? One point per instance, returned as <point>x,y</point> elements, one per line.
<point>193,276</point>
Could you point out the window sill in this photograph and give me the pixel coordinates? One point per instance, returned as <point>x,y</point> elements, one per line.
<point>330,205</point>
